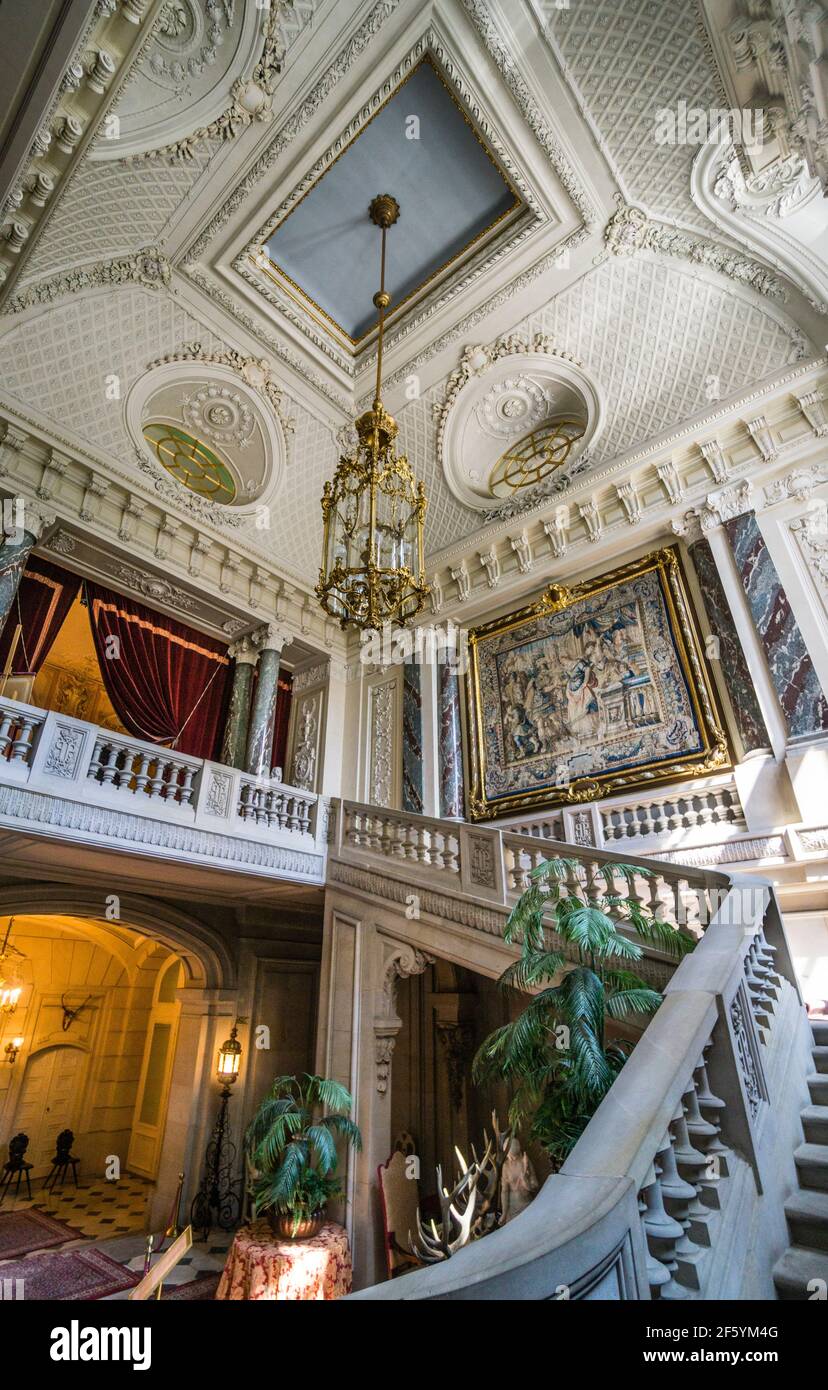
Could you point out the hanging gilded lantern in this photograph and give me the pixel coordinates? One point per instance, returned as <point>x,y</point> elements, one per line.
<point>373,565</point>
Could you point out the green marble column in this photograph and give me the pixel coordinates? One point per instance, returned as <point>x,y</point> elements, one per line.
<point>23,526</point>
<point>260,732</point>
<point>234,743</point>
<point>14,553</point>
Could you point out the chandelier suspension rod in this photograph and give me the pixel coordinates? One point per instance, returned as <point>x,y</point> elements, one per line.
<point>381,300</point>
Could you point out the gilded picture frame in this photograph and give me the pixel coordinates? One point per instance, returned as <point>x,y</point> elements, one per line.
<point>591,691</point>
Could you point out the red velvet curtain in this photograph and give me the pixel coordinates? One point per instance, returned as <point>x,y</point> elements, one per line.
<point>44,597</point>
<point>167,682</point>
<point>280,723</point>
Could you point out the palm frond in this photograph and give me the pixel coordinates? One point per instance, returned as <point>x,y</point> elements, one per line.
<point>633,1001</point>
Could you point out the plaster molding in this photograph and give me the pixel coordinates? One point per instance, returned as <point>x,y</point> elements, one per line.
<point>630,230</point>
<point>148,268</point>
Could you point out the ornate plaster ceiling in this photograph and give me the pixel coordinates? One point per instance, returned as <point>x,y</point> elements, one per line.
<point>663,321</point>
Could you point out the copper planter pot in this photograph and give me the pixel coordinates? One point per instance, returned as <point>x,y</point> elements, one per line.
<point>282,1224</point>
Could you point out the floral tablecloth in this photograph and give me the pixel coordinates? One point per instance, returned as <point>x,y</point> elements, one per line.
<point>261,1265</point>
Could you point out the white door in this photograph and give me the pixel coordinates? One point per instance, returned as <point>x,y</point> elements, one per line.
<point>48,1102</point>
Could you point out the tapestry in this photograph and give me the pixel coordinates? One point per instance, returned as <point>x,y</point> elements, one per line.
<point>592,689</point>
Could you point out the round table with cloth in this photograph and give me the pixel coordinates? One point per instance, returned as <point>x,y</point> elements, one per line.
<point>262,1265</point>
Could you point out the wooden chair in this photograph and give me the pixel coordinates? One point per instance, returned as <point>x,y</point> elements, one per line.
<point>16,1164</point>
<point>400,1198</point>
<point>63,1160</point>
<point>153,1281</point>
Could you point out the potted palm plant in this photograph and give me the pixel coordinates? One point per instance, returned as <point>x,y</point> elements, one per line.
<point>291,1147</point>
<point>556,1054</point>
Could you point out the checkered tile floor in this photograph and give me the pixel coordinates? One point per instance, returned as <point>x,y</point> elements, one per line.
<point>112,1216</point>
<point>97,1208</point>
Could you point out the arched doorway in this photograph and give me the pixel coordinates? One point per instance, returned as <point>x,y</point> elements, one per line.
<point>119,1021</point>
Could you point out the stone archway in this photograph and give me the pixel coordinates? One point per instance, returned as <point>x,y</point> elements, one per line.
<point>208,999</point>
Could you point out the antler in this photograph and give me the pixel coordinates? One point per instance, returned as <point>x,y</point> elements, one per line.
<point>69,1015</point>
<point>491,1167</point>
<point>435,1245</point>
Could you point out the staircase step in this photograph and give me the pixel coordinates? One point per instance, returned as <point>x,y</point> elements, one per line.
<point>807,1214</point>
<point>812,1166</point>
<point>815,1123</point>
<point>819,1028</point>
<point>818,1087</point>
<point>796,1269</point>
<point>820,1055</point>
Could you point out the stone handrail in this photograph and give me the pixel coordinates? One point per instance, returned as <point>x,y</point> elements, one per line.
<point>636,1209</point>
<point>53,759</point>
<point>494,865</point>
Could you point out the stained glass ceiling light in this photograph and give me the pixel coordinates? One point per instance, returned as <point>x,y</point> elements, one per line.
<point>373,566</point>
<point>190,462</point>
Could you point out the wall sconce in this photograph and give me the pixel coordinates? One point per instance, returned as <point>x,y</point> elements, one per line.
<point>12,1049</point>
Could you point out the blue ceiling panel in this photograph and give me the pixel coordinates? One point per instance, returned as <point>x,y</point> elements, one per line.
<point>449,189</point>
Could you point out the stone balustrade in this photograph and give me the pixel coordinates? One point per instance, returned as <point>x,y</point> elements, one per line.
<point>687,1163</point>
<point>707,813</point>
<point>106,787</point>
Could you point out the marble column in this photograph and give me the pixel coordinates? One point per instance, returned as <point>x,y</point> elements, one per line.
<point>745,705</point>
<point>412,739</point>
<point>234,743</point>
<point>270,640</point>
<point>23,527</point>
<point>791,668</point>
<point>450,742</point>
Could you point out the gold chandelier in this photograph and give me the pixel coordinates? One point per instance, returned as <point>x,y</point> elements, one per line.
<point>373,568</point>
<point>10,986</point>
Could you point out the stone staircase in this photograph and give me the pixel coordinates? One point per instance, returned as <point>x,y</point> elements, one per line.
<point>802,1272</point>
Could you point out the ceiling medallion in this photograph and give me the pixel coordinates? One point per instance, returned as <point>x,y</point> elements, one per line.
<point>220,414</point>
<point>519,420</point>
<point>373,565</point>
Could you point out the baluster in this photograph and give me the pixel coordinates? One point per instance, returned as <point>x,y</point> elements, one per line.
<point>304,816</point>
<point>691,1163</point>
<point>662,1233</point>
<point>678,1195</point>
<point>156,781</point>
<point>170,789</point>
<point>451,854</point>
<point>21,746</point>
<point>185,794</point>
<point>141,776</point>
<point>422,844</point>
<point>657,1274</point>
<point>6,722</point>
<point>109,760</point>
<point>95,761</point>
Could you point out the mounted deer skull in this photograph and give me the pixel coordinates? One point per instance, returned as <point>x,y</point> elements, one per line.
<point>69,1015</point>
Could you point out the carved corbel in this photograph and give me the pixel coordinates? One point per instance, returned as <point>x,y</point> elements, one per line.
<point>167,532</point>
<point>630,501</point>
<point>523,551</point>
<point>462,580</point>
<point>760,433</point>
<point>55,467</point>
<point>491,565</point>
<point>201,546</point>
<point>592,520</point>
<point>812,405</point>
<point>715,460</point>
<point>670,480</point>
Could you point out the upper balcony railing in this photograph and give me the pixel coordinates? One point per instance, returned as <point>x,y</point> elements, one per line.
<point>59,771</point>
